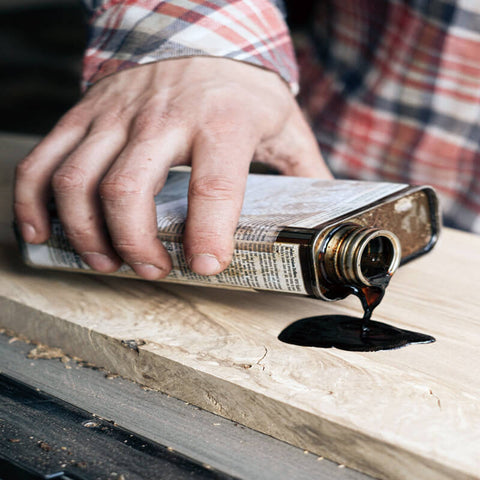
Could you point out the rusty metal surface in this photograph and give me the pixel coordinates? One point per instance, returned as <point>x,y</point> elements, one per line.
<point>412,218</point>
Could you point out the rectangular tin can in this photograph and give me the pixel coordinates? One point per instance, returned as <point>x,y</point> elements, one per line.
<point>280,238</point>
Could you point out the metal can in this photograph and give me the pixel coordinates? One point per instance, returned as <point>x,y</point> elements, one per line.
<point>295,235</point>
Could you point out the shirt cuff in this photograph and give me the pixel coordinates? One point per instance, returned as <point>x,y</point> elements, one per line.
<point>127,33</point>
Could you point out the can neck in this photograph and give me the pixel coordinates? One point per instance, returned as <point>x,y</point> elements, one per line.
<point>355,255</point>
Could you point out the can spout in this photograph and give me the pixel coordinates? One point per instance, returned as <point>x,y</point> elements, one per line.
<point>356,255</point>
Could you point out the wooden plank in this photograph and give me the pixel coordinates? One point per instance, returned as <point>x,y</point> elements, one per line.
<point>207,438</point>
<point>408,413</point>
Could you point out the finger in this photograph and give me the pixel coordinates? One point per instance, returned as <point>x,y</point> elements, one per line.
<point>75,186</point>
<point>127,194</point>
<point>217,185</point>
<point>294,151</point>
<point>33,175</point>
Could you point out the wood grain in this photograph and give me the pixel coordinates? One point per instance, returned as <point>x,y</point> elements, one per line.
<point>408,413</point>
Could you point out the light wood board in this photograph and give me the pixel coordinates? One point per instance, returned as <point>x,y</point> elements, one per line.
<point>408,413</point>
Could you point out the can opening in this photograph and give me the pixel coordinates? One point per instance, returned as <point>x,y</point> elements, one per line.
<point>358,255</point>
<point>378,258</point>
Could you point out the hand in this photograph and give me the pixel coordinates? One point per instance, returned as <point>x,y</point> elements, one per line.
<point>110,154</point>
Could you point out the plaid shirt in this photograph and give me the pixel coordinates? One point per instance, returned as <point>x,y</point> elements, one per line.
<point>391,87</point>
<point>125,33</point>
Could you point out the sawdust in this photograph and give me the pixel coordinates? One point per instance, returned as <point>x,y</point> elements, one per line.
<point>44,446</point>
<point>14,336</point>
<point>44,352</point>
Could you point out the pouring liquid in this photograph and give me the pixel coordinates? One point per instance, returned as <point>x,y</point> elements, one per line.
<point>352,333</point>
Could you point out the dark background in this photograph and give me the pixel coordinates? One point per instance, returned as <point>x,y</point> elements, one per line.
<point>41,46</point>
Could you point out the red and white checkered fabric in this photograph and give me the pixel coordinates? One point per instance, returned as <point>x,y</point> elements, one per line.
<point>391,87</point>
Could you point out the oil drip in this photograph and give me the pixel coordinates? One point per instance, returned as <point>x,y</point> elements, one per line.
<point>351,333</point>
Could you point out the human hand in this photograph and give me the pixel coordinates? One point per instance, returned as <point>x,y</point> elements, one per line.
<point>110,154</point>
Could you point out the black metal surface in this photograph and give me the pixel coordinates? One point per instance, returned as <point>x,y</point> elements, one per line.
<point>43,437</point>
<point>14,470</point>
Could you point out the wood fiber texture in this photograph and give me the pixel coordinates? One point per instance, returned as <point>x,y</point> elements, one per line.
<point>407,413</point>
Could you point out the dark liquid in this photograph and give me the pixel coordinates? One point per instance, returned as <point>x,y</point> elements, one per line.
<point>350,333</point>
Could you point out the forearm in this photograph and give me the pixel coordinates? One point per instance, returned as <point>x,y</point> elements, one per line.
<point>126,33</point>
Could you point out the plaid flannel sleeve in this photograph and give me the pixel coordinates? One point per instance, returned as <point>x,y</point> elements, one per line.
<point>127,33</point>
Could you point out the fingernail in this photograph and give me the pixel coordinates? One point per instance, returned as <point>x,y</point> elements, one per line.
<point>147,271</point>
<point>28,232</point>
<point>204,264</point>
<point>99,261</point>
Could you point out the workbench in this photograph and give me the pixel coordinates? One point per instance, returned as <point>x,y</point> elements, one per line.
<point>407,413</point>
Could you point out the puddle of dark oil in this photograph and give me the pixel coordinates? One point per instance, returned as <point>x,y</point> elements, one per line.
<point>351,333</point>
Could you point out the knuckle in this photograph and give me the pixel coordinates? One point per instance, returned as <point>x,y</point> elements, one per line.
<point>111,123</point>
<point>25,168</point>
<point>212,187</point>
<point>100,135</point>
<point>119,185</point>
<point>111,118</point>
<point>78,115</point>
<point>68,179</point>
<point>152,120</point>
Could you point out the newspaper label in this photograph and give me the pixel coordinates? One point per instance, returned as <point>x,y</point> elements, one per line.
<point>259,262</point>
